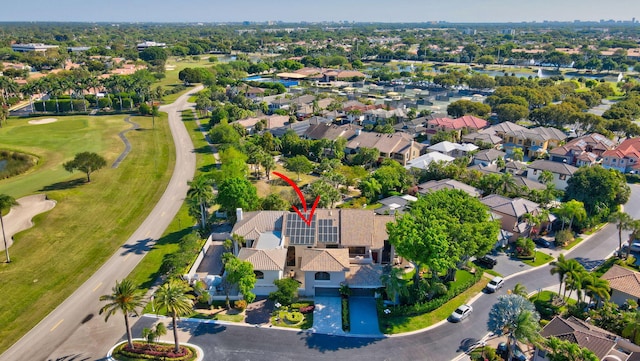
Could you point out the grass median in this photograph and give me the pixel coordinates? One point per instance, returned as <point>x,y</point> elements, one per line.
<point>90,221</point>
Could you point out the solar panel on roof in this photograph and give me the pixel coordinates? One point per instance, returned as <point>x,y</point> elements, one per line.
<point>299,232</point>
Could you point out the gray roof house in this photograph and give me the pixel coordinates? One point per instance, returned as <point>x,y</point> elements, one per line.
<point>562,172</point>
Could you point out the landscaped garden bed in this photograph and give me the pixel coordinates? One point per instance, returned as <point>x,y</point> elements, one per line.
<point>297,315</point>
<point>153,351</point>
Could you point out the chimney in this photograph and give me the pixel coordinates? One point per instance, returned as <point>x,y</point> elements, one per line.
<point>238,214</point>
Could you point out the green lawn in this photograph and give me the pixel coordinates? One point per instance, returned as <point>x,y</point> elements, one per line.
<point>539,260</point>
<point>573,244</point>
<point>175,65</point>
<point>90,221</point>
<point>148,270</point>
<point>402,324</point>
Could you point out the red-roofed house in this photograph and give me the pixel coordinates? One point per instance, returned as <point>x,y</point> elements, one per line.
<point>468,122</point>
<point>625,157</point>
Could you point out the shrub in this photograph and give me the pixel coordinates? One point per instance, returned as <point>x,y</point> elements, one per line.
<point>345,315</point>
<point>525,247</point>
<point>293,317</point>
<point>287,291</point>
<point>564,237</point>
<point>307,309</point>
<point>240,305</point>
<point>155,351</point>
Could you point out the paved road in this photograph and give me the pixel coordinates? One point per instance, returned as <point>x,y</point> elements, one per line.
<point>231,342</point>
<point>74,329</point>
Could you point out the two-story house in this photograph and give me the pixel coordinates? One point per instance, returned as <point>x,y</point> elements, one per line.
<point>455,150</point>
<point>398,146</point>
<point>624,157</point>
<point>585,150</point>
<point>468,122</point>
<point>562,172</point>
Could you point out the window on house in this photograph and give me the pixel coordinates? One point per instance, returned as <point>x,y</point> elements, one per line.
<point>613,160</point>
<point>357,251</point>
<point>563,177</point>
<point>535,171</point>
<point>322,276</point>
<point>259,275</point>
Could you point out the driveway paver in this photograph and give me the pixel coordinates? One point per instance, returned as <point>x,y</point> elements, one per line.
<point>327,316</point>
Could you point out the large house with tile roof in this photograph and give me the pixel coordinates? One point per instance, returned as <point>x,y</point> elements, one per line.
<point>604,344</point>
<point>585,150</point>
<point>398,146</point>
<point>624,283</point>
<point>467,122</point>
<point>533,141</point>
<point>625,157</point>
<point>340,245</point>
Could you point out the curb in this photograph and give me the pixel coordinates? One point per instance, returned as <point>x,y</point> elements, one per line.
<point>199,351</point>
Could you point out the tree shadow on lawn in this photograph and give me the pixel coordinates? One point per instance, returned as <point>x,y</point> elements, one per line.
<point>205,149</point>
<point>171,238</point>
<point>325,343</point>
<point>64,185</point>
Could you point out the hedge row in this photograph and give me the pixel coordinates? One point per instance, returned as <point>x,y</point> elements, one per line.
<point>345,315</point>
<point>424,307</point>
<point>63,105</point>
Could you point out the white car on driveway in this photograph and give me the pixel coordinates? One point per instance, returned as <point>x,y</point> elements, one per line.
<point>495,284</point>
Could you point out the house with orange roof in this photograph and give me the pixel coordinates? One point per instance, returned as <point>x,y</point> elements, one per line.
<point>585,150</point>
<point>625,157</point>
<point>468,122</point>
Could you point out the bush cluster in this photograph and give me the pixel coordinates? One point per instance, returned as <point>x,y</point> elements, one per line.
<point>293,317</point>
<point>156,351</point>
<point>14,163</point>
<point>428,306</point>
<point>240,305</point>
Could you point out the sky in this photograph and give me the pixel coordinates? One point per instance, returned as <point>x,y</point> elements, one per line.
<point>467,11</point>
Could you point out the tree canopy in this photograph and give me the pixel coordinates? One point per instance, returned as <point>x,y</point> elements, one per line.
<point>237,193</point>
<point>86,162</point>
<point>600,190</point>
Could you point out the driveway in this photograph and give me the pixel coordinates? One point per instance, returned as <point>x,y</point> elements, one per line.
<point>327,316</point>
<point>363,316</point>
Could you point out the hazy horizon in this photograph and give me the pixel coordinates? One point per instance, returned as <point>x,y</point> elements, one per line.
<point>294,11</point>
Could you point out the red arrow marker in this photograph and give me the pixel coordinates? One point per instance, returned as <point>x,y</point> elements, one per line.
<point>302,199</point>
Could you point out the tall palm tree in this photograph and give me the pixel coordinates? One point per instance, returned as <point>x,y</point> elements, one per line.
<point>394,285</point>
<point>623,221</point>
<point>507,184</point>
<point>559,267</point>
<point>632,328</point>
<point>545,177</point>
<point>126,298</point>
<point>517,154</point>
<point>575,272</point>
<point>599,288</point>
<point>515,317</point>
<point>6,202</point>
<point>173,297</point>
<point>201,191</point>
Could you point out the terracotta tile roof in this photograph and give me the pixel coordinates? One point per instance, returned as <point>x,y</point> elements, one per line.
<point>599,341</point>
<point>623,280</point>
<point>325,260</point>
<point>265,259</point>
<point>628,148</point>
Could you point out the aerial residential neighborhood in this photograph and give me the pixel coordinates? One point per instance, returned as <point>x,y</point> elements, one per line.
<point>219,187</point>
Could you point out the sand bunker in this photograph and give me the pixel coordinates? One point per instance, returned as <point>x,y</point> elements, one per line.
<point>43,121</point>
<point>19,218</point>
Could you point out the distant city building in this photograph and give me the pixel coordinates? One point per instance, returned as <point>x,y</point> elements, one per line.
<point>39,47</point>
<point>469,32</point>
<point>78,49</point>
<point>508,32</point>
<point>149,44</point>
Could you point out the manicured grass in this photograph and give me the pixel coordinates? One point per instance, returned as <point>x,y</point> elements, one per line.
<point>276,185</point>
<point>148,270</point>
<point>402,324</point>
<point>56,143</point>
<point>90,221</point>
<point>575,242</point>
<point>539,260</point>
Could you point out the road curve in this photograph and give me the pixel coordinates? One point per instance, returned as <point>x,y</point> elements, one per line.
<point>74,328</point>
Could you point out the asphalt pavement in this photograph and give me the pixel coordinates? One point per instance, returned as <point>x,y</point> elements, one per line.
<point>74,330</point>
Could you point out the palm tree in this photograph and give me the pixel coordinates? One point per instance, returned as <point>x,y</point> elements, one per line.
<point>571,210</point>
<point>545,177</point>
<point>623,221</point>
<point>559,267</point>
<point>201,191</point>
<point>6,202</point>
<point>507,184</point>
<point>632,328</point>
<point>520,289</point>
<point>599,288</point>
<point>575,272</point>
<point>515,317</point>
<point>126,298</point>
<point>394,285</point>
<point>173,297</point>
<point>517,154</point>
